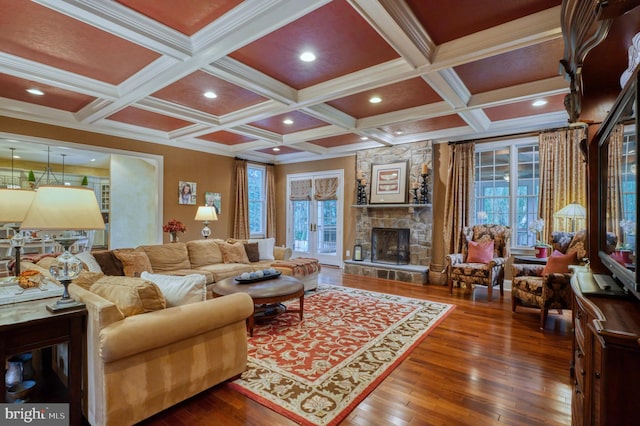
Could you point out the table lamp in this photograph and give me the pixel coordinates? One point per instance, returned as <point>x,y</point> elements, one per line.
<point>206,214</point>
<point>64,208</point>
<point>572,211</point>
<point>14,204</point>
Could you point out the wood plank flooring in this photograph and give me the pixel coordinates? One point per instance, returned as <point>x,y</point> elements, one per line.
<point>482,365</point>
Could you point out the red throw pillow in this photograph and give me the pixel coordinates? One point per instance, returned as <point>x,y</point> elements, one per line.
<point>558,263</point>
<point>480,252</point>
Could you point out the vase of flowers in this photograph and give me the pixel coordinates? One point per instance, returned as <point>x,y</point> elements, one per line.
<point>173,227</point>
<point>542,249</point>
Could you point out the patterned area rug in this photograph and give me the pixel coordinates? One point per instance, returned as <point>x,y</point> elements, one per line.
<point>315,371</point>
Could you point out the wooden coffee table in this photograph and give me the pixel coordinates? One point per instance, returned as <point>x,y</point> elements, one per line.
<point>267,295</point>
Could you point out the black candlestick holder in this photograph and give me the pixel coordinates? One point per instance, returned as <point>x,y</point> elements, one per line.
<point>415,195</point>
<point>424,189</point>
<point>361,196</point>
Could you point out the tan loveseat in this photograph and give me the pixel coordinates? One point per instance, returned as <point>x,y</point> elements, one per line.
<point>139,365</point>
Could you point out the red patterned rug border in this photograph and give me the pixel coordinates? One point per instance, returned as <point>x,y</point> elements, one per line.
<point>363,393</point>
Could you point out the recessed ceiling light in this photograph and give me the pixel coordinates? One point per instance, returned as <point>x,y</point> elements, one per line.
<point>287,121</point>
<point>307,57</point>
<point>399,132</point>
<point>275,148</point>
<point>210,95</point>
<point>36,92</point>
<point>364,138</point>
<point>16,156</point>
<point>93,160</point>
<point>539,102</point>
<point>375,100</point>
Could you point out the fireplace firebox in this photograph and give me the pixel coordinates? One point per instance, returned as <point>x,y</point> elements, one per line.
<point>390,245</point>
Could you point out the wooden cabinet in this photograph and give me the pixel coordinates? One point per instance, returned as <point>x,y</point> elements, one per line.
<point>606,356</point>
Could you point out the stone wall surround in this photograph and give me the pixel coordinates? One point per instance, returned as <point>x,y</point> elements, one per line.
<point>419,219</point>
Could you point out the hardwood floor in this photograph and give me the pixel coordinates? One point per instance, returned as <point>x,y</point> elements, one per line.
<point>482,365</point>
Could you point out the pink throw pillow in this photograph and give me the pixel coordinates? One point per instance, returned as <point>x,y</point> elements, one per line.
<point>558,263</point>
<point>480,252</point>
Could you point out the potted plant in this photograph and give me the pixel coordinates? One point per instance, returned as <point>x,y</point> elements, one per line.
<point>542,249</point>
<point>31,179</point>
<point>85,181</point>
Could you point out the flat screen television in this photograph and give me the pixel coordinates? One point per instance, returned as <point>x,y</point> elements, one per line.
<point>618,189</point>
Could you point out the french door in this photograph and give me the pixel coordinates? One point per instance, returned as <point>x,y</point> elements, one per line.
<point>314,215</point>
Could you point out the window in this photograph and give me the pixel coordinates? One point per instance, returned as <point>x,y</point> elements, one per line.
<point>629,177</point>
<point>256,181</point>
<point>507,184</point>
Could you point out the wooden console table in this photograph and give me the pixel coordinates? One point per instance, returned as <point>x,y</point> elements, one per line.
<point>27,326</point>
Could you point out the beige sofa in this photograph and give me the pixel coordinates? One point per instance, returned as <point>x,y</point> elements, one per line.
<point>139,365</point>
<point>199,256</point>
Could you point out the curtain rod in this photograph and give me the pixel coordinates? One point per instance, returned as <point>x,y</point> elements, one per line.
<point>254,162</point>
<point>519,135</point>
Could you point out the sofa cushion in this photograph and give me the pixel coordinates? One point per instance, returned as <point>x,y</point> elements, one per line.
<point>109,263</point>
<point>253,253</point>
<point>204,252</point>
<point>265,246</point>
<point>179,290</point>
<point>208,276</point>
<point>233,253</point>
<point>480,252</point>
<point>558,263</point>
<point>87,278</point>
<point>220,271</point>
<point>132,296</point>
<point>133,263</point>
<point>167,257</point>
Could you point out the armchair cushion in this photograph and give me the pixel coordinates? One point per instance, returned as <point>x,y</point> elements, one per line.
<point>480,252</point>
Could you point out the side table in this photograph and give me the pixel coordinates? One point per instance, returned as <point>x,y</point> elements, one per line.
<point>26,326</point>
<point>531,260</point>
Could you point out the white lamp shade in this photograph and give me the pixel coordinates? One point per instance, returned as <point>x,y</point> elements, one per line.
<point>573,211</point>
<point>14,204</point>
<point>61,208</point>
<point>206,213</point>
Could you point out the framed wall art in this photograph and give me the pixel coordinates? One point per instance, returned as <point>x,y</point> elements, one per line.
<point>186,192</point>
<point>389,183</point>
<point>213,199</point>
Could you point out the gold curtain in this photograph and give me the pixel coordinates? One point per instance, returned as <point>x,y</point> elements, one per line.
<point>271,201</point>
<point>326,189</point>
<point>460,194</point>
<point>614,183</point>
<point>241,219</point>
<point>563,175</point>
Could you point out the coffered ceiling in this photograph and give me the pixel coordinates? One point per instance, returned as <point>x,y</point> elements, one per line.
<point>450,70</point>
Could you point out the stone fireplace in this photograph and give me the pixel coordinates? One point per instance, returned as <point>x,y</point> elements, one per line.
<point>390,245</point>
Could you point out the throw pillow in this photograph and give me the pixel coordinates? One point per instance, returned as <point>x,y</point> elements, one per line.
<point>179,290</point>
<point>133,262</point>
<point>253,252</point>
<point>558,263</point>
<point>265,246</point>
<point>109,263</point>
<point>132,296</point>
<point>89,261</point>
<point>233,253</point>
<point>87,278</point>
<point>480,252</point>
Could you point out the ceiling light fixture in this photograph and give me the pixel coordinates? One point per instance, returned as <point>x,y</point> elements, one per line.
<point>539,102</point>
<point>210,95</point>
<point>307,57</point>
<point>36,92</point>
<point>287,121</point>
<point>364,138</point>
<point>375,100</point>
<point>275,148</point>
<point>399,132</point>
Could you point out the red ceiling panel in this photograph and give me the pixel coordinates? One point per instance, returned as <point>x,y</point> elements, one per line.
<point>445,21</point>
<point>189,92</point>
<point>282,150</point>
<point>525,109</point>
<point>301,122</point>
<point>397,96</point>
<point>54,97</point>
<point>188,17</point>
<point>428,125</point>
<point>340,38</point>
<point>148,119</point>
<point>62,42</point>
<point>341,140</point>
<point>520,66</point>
<point>227,138</point>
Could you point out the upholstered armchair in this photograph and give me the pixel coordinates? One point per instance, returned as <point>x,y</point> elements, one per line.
<point>488,273</point>
<point>531,286</point>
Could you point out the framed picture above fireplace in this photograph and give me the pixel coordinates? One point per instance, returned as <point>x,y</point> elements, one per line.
<point>389,183</point>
